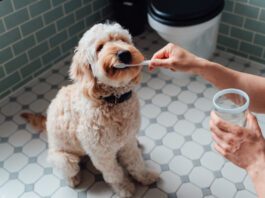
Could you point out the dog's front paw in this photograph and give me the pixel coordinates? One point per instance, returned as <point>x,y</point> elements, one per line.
<point>149,177</point>
<point>74,181</point>
<point>124,189</point>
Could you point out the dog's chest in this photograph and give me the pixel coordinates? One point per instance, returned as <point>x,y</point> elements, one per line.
<point>110,124</point>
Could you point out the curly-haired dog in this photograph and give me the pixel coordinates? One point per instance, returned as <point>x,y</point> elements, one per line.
<point>98,115</point>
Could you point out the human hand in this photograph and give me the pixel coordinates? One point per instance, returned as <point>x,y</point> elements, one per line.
<point>175,58</point>
<point>244,147</point>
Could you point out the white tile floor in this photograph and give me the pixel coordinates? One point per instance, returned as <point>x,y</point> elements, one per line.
<point>174,132</point>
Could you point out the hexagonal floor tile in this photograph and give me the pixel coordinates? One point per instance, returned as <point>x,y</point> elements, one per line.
<point>161,155</point>
<point>155,131</point>
<point>196,87</point>
<point>42,159</point>
<point>30,173</point>
<point>192,150</point>
<point>26,98</point>
<point>16,162</point>
<point>146,93</point>
<point>156,83</point>
<point>171,90</point>
<point>11,108</point>
<point>47,185</point>
<point>209,93</point>
<point>39,106</point>
<point>34,147</point>
<point>55,79</point>
<point>180,165</point>
<point>212,160</point>
<point>182,80</point>
<point>65,192</point>
<point>30,195</point>
<point>5,151</point>
<point>187,97</point>
<point>19,138</point>
<point>169,182</point>
<point>50,94</point>
<point>177,107</point>
<point>144,122</point>
<point>161,100</point>
<point>204,104</point>
<point>202,136</point>
<point>41,88</point>
<point>173,140</point>
<point>3,176</point>
<point>150,111</point>
<point>184,127</point>
<point>7,190</point>
<point>167,119</point>
<point>244,194</point>
<point>233,173</point>
<point>7,128</point>
<point>249,184</point>
<point>194,115</point>
<point>201,177</point>
<point>219,185</point>
<point>189,190</point>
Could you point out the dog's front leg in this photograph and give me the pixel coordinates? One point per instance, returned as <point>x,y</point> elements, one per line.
<point>113,173</point>
<point>130,157</point>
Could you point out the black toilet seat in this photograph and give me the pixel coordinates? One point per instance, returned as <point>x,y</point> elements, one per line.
<point>184,12</point>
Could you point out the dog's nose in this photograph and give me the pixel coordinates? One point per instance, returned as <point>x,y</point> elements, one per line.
<point>125,56</point>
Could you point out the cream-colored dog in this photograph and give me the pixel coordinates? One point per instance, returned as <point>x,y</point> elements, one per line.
<point>98,115</point>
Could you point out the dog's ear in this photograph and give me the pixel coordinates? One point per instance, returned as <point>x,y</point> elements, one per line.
<point>80,70</point>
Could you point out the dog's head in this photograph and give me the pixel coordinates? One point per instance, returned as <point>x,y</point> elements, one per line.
<point>100,48</point>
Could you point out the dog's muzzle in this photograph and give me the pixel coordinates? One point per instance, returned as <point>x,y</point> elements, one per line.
<point>125,56</point>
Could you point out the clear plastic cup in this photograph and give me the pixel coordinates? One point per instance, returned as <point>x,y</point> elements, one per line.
<point>231,105</point>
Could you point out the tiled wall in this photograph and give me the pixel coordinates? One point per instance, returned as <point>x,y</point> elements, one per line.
<point>242,29</point>
<point>35,34</point>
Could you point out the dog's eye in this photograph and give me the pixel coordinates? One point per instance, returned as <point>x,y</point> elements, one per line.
<point>99,48</point>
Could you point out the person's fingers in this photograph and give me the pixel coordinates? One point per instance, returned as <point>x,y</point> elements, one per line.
<point>226,126</point>
<point>164,52</point>
<point>166,63</point>
<point>252,121</point>
<point>224,153</point>
<point>217,121</point>
<point>226,147</point>
<point>229,138</point>
<point>220,150</point>
<point>161,54</point>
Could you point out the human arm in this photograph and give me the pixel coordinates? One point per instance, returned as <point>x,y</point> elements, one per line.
<point>245,147</point>
<point>176,58</point>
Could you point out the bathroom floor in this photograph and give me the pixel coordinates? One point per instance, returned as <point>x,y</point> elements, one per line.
<point>175,135</point>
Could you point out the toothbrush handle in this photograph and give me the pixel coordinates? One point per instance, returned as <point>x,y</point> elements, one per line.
<point>145,63</point>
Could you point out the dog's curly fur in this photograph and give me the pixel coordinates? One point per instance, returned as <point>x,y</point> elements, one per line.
<point>80,123</point>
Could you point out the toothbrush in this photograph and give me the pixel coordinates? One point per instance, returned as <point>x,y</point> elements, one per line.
<point>122,65</point>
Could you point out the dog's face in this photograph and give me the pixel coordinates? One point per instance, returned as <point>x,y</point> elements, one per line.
<point>100,48</point>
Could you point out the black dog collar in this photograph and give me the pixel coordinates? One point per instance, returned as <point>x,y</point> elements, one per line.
<point>114,99</point>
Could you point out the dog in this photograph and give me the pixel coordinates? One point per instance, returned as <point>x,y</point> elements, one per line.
<point>98,114</point>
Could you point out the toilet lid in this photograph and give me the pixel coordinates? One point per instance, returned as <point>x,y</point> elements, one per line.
<point>184,12</point>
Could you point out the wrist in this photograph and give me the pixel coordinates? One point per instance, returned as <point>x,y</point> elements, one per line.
<point>256,169</point>
<point>200,65</point>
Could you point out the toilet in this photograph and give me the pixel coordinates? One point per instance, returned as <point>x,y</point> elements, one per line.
<point>191,24</point>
